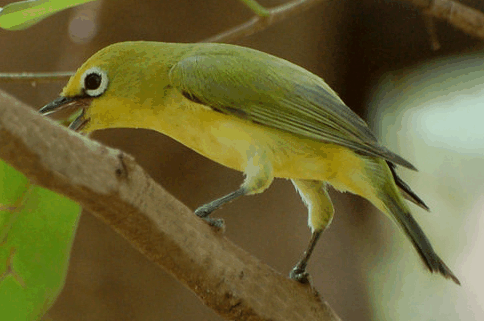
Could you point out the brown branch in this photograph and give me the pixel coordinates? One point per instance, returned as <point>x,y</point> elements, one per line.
<point>259,23</point>
<point>467,19</point>
<point>432,31</point>
<point>254,25</point>
<point>109,184</point>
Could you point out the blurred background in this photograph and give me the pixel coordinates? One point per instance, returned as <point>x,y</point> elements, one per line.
<point>425,105</point>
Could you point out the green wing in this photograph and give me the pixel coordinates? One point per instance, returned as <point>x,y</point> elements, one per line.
<point>275,93</point>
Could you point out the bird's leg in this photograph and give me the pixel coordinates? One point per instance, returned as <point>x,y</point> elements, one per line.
<point>205,210</point>
<point>299,273</point>
<point>320,210</point>
<point>258,177</point>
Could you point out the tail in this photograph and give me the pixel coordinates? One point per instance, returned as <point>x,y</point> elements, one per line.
<point>421,243</point>
<point>387,192</point>
<point>405,189</point>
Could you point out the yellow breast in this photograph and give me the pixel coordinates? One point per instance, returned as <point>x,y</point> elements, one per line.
<point>228,139</point>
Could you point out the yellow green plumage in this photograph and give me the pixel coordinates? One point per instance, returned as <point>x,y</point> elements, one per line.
<point>254,113</point>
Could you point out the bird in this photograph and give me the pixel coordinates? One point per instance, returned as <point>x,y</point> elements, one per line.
<point>252,112</point>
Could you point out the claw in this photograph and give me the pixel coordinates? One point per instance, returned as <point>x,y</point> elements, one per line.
<point>300,275</point>
<point>218,224</point>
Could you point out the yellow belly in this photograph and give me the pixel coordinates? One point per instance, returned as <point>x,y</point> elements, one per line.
<point>227,139</point>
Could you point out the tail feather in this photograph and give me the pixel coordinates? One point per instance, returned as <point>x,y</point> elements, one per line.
<point>421,243</point>
<point>387,192</point>
<point>405,189</point>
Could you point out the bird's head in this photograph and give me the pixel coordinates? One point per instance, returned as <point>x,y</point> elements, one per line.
<point>107,88</point>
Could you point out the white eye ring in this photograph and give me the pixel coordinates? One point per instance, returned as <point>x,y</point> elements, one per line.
<point>94,81</point>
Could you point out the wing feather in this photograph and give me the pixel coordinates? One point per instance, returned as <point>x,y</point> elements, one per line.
<point>276,93</point>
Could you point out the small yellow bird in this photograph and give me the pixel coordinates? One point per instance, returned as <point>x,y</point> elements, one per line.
<point>251,112</point>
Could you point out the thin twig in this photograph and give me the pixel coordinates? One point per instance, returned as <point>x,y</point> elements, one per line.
<point>259,23</point>
<point>432,32</point>
<point>266,18</point>
<point>110,185</point>
<point>467,19</point>
<point>24,77</point>
<point>256,8</point>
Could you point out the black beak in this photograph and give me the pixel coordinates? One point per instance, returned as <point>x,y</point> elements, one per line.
<point>57,105</point>
<point>64,107</point>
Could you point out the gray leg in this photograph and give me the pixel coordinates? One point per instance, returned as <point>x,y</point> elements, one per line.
<point>299,273</point>
<point>258,177</point>
<point>320,214</point>
<point>205,210</point>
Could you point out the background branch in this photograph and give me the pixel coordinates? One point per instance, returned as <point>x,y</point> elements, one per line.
<point>467,19</point>
<point>114,188</point>
<point>259,23</point>
<point>35,77</point>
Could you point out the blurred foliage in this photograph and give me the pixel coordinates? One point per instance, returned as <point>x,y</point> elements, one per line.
<point>37,228</point>
<point>23,14</point>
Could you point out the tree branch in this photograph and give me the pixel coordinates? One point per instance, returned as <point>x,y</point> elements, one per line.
<point>259,23</point>
<point>34,77</point>
<point>109,184</point>
<point>256,24</point>
<point>467,19</point>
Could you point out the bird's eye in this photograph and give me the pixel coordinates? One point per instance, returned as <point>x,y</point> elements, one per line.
<point>95,81</point>
<point>92,81</point>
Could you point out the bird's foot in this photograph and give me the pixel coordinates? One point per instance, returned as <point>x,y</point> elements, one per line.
<point>217,223</point>
<point>299,274</point>
<point>204,211</point>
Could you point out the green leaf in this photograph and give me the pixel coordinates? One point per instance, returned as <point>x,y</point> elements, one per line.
<point>23,14</point>
<point>37,228</point>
